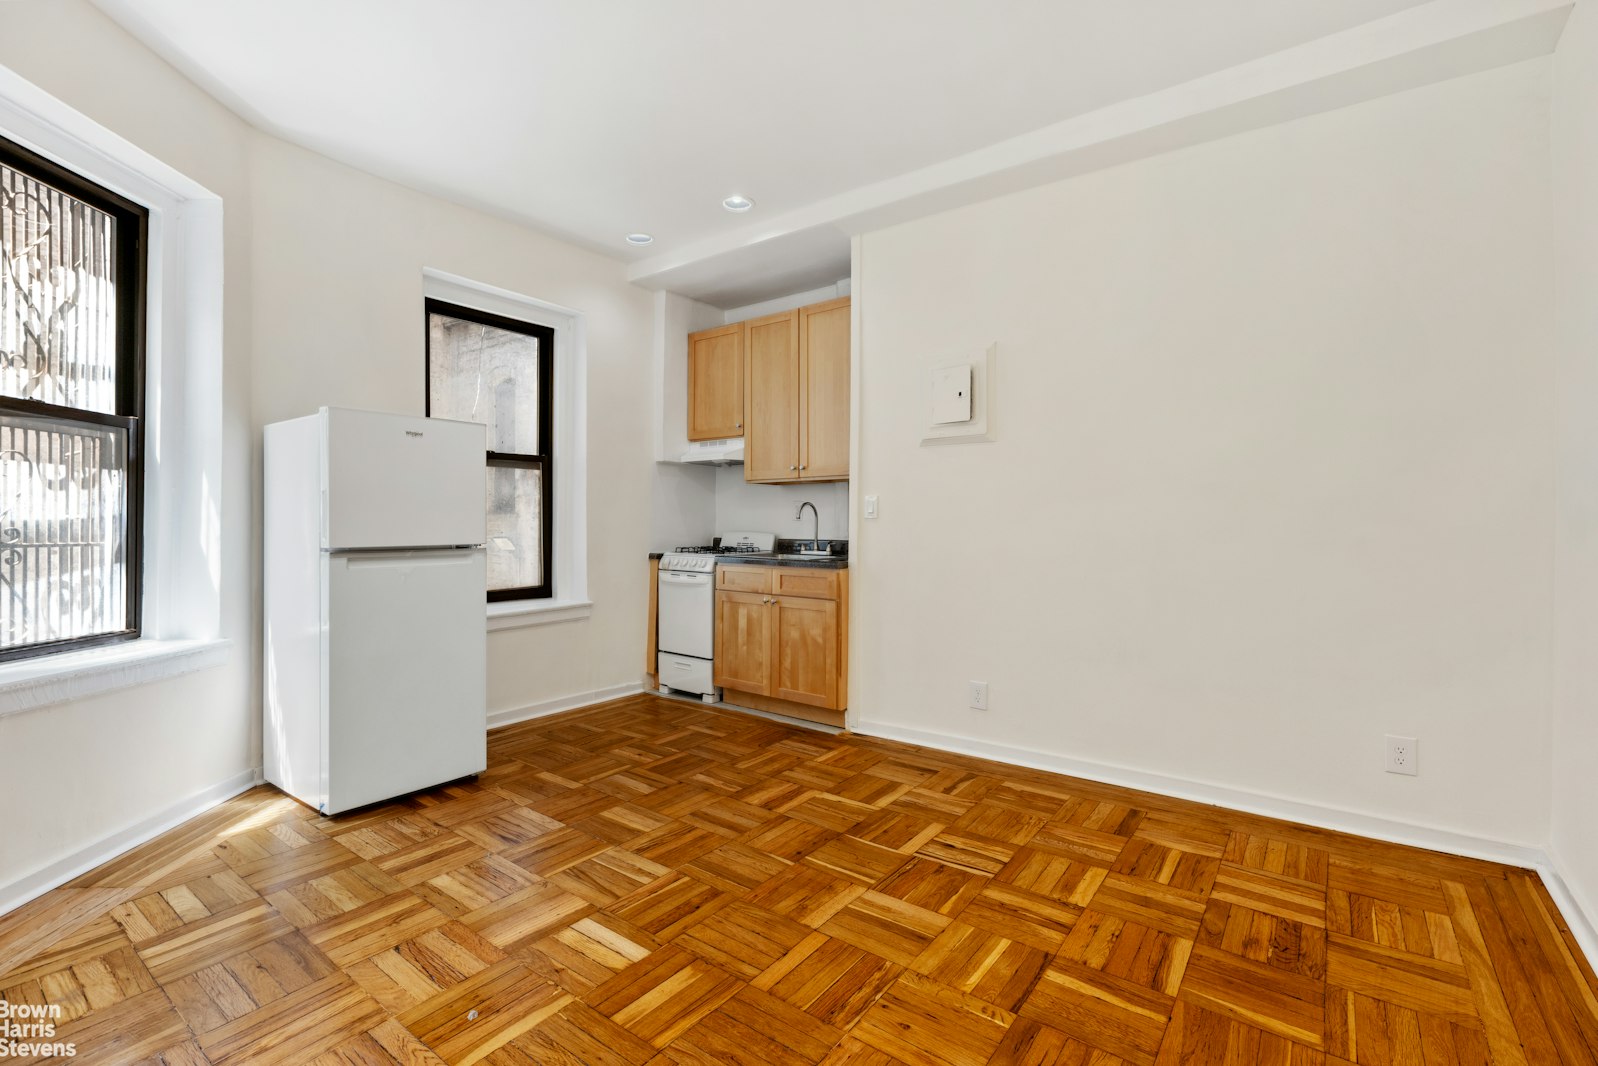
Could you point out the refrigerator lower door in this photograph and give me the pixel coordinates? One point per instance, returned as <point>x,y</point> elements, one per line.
<point>406,664</point>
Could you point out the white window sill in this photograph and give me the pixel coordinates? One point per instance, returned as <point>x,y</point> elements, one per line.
<point>31,683</point>
<point>516,614</point>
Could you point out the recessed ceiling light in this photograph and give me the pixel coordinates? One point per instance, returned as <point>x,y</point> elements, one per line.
<point>737,203</point>
<point>639,238</point>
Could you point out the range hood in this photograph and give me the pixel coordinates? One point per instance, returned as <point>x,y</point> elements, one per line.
<point>717,452</point>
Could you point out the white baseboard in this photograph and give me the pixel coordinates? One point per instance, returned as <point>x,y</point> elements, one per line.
<point>496,719</point>
<point>31,886</point>
<point>1572,906</point>
<point>772,716</point>
<point>1540,859</point>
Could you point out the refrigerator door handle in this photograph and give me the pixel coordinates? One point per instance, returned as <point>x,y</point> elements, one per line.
<point>409,560</point>
<point>402,548</point>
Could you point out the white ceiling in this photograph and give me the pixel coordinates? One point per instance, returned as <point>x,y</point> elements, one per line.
<point>591,119</point>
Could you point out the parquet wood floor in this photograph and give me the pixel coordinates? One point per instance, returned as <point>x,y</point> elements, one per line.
<point>650,883</point>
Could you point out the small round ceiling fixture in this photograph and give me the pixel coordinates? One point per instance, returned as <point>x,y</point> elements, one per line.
<point>639,238</point>
<point>737,204</point>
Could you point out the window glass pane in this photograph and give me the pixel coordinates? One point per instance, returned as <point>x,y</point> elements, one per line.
<point>57,297</point>
<point>63,507</point>
<point>479,373</point>
<point>515,526</point>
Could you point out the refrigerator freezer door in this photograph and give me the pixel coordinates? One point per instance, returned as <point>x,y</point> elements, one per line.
<point>406,672</point>
<point>395,481</point>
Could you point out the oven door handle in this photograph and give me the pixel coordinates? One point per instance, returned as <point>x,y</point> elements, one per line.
<point>685,579</point>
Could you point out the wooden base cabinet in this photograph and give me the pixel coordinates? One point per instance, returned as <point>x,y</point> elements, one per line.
<point>652,644</point>
<point>743,641</point>
<point>805,666</point>
<point>782,640</point>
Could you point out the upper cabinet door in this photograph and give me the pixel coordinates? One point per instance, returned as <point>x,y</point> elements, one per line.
<point>401,481</point>
<point>824,365</point>
<point>771,403</point>
<point>716,383</point>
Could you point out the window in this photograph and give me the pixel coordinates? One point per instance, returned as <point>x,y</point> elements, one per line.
<point>71,404</point>
<point>499,371</point>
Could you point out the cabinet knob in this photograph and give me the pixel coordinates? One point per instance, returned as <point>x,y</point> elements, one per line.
<point>793,468</point>
<point>740,425</point>
<point>801,466</point>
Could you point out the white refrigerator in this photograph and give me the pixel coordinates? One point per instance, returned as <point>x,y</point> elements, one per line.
<point>375,642</point>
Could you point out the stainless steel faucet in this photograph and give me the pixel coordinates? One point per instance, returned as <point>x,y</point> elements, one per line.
<point>815,540</point>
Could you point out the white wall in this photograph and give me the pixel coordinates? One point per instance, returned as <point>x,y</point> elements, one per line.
<point>1272,477</point>
<point>674,318</point>
<point>776,304</point>
<point>683,506</point>
<point>337,301</point>
<point>323,302</point>
<point>770,508</point>
<point>682,498</point>
<point>75,773</point>
<point>1575,166</point>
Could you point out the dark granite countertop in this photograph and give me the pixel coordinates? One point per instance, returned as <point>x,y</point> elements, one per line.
<point>807,562</point>
<point>787,554</point>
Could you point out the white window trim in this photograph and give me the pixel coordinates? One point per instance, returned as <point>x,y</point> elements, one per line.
<point>570,460</point>
<point>180,622</point>
<point>32,683</point>
<point>518,614</point>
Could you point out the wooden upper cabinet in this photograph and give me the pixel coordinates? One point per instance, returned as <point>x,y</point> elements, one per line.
<point>771,398</point>
<point>796,394</point>
<point>716,383</point>
<point>824,368</point>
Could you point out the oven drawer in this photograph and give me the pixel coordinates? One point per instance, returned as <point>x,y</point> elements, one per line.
<point>686,673</point>
<point>744,578</point>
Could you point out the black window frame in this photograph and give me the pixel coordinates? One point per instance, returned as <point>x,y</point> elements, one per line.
<point>131,227</point>
<point>542,460</point>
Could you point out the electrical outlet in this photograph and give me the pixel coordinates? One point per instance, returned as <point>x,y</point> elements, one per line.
<point>977,692</point>
<point>1403,755</point>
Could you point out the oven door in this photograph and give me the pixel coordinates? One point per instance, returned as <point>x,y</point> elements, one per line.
<point>688,613</point>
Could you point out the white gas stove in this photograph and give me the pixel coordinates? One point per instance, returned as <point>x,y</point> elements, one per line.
<point>702,559</point>
<point>687,633</point>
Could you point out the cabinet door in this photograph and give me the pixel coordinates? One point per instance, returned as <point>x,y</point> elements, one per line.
<point>771,398</point>
<point>824,364</point>
<point>716,383</point>
<point>806,666</point>
<point>743,642</point>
